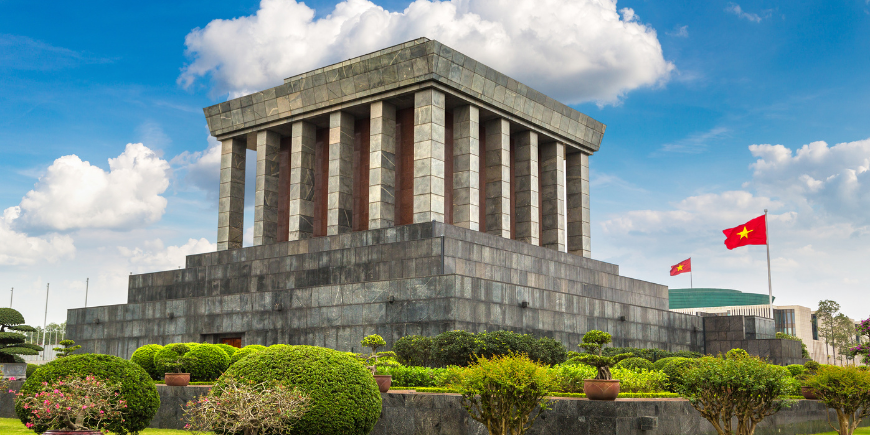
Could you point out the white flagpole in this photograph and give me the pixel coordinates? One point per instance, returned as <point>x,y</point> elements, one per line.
<point>767,243</point>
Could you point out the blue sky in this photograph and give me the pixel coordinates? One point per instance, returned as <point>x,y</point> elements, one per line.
<point>683,104</point>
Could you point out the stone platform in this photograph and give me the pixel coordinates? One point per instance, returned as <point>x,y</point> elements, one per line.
<point>414,279</point>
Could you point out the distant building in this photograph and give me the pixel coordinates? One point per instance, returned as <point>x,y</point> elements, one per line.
<point>794,320</point>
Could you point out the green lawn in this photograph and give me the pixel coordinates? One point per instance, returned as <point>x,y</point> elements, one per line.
<point>859,431</point>
<point>11,426</point>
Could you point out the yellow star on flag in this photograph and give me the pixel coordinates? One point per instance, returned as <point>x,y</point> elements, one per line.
<point>745,233</point>
<point>680,267</point>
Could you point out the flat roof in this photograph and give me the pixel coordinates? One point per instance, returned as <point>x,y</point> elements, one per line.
<point>713,297</point>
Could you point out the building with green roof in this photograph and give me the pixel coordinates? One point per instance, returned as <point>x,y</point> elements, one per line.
<point>682,298</point>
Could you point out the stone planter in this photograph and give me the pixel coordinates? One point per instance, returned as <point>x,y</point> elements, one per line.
<point>73,432</point>
<point>598,389</point>
<point>14,370</point>
<point>809,393</point>
<point>384,382</point>
<point>177,379</point>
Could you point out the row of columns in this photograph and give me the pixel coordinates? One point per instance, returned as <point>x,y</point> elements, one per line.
<point>539,177</point>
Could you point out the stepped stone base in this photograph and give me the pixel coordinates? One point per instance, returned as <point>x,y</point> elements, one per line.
<point>414,279</point>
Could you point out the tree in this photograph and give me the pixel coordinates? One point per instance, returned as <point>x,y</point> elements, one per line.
<point>502,392</point>
<point>844,336</point>
<point>846,390</point>
<point>825,314</point>
<point>69,346</point>
<point>12,344</point>
<point>593,343</point>
<point>740,386</point>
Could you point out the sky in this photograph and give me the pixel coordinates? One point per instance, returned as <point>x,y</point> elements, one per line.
<point>715,111</point>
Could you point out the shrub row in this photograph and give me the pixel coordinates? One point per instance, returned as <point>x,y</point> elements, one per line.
<point>458,348</point>
<point>208,361</point>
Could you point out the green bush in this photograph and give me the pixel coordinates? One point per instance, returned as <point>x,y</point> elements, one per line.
<point>504,342</point>
<point>796,370</point>
<point>229,350</point>
<point>640,381</point>
<point>736,353</point>
<point>210,362</point>
<point>660,364</point>
<point>652,355</point>
<point>144,357</point>
<point>168,353</point>
<point>549,351</point>
<point>414,350</point>
<point>636,363</point>
<point>569,377</point>
<point>344,397</point>
<point>676,369</point>
<point>454,348</point>
<point>31,368</point>
<point>846,390</point>
<point>245,351</point>
<point>137,388</point>
<point>412,376</point>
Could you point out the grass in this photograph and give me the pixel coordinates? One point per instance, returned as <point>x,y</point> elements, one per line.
<point>12,426</point>
<point>859,431</point>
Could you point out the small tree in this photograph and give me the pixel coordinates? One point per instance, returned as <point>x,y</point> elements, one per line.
<point>69,346</point>
<point>863,348</point>
<point>246,408</point>
<point>736,386</point>
<point>828,309</point>
<point>844,336</point>
<point>846,390</point>
<point>73,403</point>
<point>178,364</point>
<point>593,343</point>
<point>12,344</point>
<point>502,392</point>
<point>373,342</point>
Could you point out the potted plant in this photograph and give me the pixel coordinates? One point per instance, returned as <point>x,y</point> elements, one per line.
<point>603,387</point>
<point>808,392</point>
<point>12,344</point>
<point>73,405</point>
<point>374,342</point>
<point>178,370</point>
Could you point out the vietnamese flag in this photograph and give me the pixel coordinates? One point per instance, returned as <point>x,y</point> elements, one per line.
<point>681,267</point>
<point>753,232</point>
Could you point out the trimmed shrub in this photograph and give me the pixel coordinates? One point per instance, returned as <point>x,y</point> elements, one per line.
<point>503,342</point>
<point>796,369</point>
<point>414,350</point>
<point>168,353</point>
<point>210,362</point>
<point>344,398</point>
<point>635,363</point>
<point>245,351</point>
<point>144,357</point>
<point>676,369</point>
<point>31,368</point>
<point>137,388</point>
<point>736,353</point>
<point>660,364</point>
<point>549,351</point>
<point>640,381</point>
<point>454,348</point>
<point>569,378</point>
<point>229,350</point>
<point>650,354</point>
<point>412,376</point>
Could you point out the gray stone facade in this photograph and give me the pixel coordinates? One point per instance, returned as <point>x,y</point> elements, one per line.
<point>755,335</point>
<point>414,279</point>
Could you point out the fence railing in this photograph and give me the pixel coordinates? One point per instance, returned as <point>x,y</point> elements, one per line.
<point>48,340</point>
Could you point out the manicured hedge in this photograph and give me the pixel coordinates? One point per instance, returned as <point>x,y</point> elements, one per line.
<point>168,352</point>
<point>230,350</point>
<point>344,397</point>
<point>31,368</point>
<point>144,357</point>
<point>245,351</point>
<point>137,387</point>
<point>210,362</point>
<point>636,363</point>
<point>414,350</point>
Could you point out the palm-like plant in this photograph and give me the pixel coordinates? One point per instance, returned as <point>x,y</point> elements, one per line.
<point>12,344</point>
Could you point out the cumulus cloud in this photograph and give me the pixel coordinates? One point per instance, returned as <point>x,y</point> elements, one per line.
<point>583,50</point>
<point>202,168</point>
<point>155,257</point>
<point>18,248</point>
<point>75,194</point>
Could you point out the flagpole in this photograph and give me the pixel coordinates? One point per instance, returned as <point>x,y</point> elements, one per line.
<point>691,284</point>
<point>767,243</point>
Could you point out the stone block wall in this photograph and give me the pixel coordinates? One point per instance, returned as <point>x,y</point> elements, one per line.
<point>752,334</point>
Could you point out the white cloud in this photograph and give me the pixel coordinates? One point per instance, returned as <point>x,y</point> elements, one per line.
<point>737,10</point>
<point>18,248</point>
<point>202,168</point>
<point>75,194</point>
<point>680,32</point>
<point>155,257</point>
<point>575,51</point>
<point>695,143</point>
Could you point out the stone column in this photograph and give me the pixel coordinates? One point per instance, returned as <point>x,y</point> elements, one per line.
<point>552,196</point>
<point>526,213</point>
<point>266,194</point>
<point>339,208</point>
<point>429,156</point>
<point>231,206</point>
<point>577,172</point>
<point>498,181</point>
<point>466,167</point>
<point>382,166</point>
<point>301,209</point>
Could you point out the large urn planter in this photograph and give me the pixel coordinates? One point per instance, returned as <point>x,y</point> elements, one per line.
<point>14,370</point>
<point>600,389</point>
<point>384,382</point>
<point>177,379</point>
<point>72,432</point>
<point>809,393</point>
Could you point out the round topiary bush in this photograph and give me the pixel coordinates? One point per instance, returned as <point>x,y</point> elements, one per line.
<point>636,363</point>
<point>210,362</point>
<point>144,357</point>
<point>245,351</point>
<point>675,369</point>
<point>343,395</point>
<point>137,389</point>
<point>660,364</point>
<point>795,369</point>
<point>454,348</point>
<point>168,353</point>
<point>230,350</point>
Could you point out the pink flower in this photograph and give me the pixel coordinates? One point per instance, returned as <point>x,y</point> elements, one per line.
<point>12,378</point>
<point>29,425</point>
<point>84,406</point>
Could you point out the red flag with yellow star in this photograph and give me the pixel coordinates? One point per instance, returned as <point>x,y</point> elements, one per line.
<point>681,267</point>
<point>753,232</point>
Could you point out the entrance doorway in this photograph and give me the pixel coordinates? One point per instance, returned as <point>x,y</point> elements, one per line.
<point>232,341</point>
